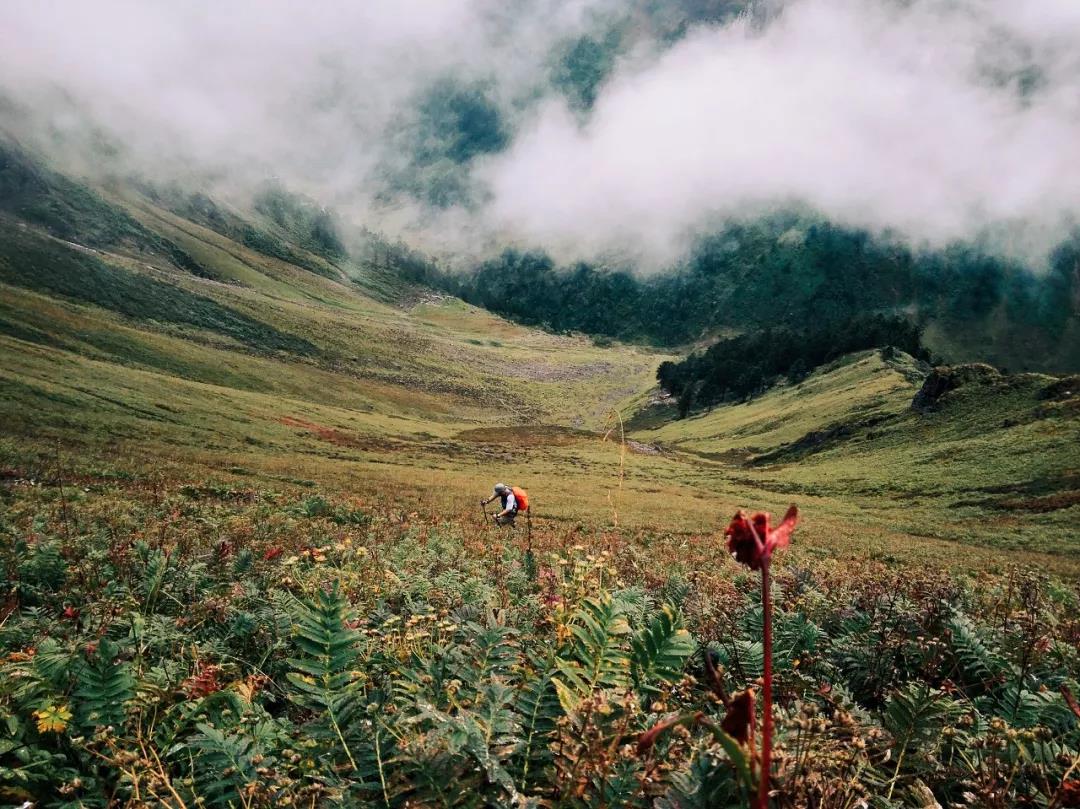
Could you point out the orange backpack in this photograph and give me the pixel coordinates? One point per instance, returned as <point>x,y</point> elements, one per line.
<point>522,498</point>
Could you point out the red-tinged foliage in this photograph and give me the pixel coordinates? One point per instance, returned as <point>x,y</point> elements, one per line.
<point>1070,700</point>
<point>866,635</point>
<point>716,680</point>
<point>649,737</point>
<point>203,683</point>
<point>738,723</point>
<point>1068,794</point>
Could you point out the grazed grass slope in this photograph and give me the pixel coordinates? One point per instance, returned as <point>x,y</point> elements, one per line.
<point>277,376</point>
<point>995,464</point>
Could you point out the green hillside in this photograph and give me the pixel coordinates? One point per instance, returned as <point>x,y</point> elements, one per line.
<point>133,362</point>
<point>794,271</point>
<point>244,562</point>
<point>655,404</point>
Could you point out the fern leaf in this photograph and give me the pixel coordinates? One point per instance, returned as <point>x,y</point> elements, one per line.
<point>329,650</point>
<point>660,650</point>
<point>322,679</point>
<point>494,654</point>
<point>224,764</point>
<point>539,711</point>
<point>978,662</point>
<point>103,688</point>
<point>597,657</point>
<point>915,714</point>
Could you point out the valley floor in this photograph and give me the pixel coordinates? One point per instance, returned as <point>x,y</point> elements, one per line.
<point>245,562</point>
<point>117,368</point>
<point>960,488</point>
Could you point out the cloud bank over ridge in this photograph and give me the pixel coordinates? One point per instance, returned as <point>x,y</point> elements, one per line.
<point>461,125</point>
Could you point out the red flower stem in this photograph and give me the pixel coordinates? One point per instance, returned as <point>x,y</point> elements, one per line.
<point>766,690</point>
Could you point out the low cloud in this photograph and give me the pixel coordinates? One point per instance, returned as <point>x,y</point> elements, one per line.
<point>931,120</point>
<point>934,121</point>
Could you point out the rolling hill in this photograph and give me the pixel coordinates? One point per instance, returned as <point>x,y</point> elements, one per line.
<point>150,333</point>
<point>244,563</point>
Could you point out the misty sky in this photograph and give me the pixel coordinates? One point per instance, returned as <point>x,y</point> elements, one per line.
<point>592,128</point>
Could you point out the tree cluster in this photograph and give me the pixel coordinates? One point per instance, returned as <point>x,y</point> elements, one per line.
<point>746,365</point>
<point>786,271</point>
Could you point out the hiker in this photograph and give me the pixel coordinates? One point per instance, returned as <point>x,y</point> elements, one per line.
<point>514,500</point>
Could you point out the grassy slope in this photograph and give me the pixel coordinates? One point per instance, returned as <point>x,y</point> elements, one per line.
<point>996,466</point>
<point>424,406</point>
<point>385,380</point>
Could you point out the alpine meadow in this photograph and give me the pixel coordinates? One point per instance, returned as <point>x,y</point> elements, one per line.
<point>575,404</point>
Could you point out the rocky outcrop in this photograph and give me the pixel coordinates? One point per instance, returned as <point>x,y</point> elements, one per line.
<point>948,378</point>
<point>1067,387</point>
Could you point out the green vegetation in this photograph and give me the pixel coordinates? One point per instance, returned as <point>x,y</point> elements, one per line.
<point>243,563</point>
<point>749,364</point>
<point>238,647</point>
<point>582,67</point>
<point>73,212</point>
<point>310,226</point>
<point>292,214</point>
<point>786,271</point>
<point>975,470</point>
<point>454,122</point>
<point>36,262</point>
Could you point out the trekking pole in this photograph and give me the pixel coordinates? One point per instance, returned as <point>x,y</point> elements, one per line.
<point>530,558</point>
<point>483,508</point>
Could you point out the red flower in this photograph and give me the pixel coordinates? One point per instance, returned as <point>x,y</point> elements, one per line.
<point>272,554</point>
<point>70,613</point>
<point>647,739</point>
<point>752,542</point>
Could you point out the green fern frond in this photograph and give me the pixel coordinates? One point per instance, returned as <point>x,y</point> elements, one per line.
<point>104,686</point>
<point>373,749</point>
<point>225,764</point>
<point>463,758</point>
<point>155,565</point>
<point>539,711</point>
<point>1023,708</point>
<point>708,782</point>
<point>597,657</point>
<point>620,786</point>
<point>322,678</point>
<point>637,604</point>
<point>676,590</point>
<point>743,656</point>
<point>977,661</point>
<point>660,650</point>
<point>494,653</point>
<point>915,714</point>
<point>328,651</point>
